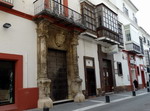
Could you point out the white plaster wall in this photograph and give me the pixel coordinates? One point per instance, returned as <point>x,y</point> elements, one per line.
<point>124,79</point>
<point>75,5</point>
<point>87,48</point>
<point>20,39</point>
<point>96,2</point>
<point>25,6</point>
<point>134,34</point>
<point>119,4</point>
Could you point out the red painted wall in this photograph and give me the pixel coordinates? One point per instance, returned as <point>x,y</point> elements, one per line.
<point>28,98</point>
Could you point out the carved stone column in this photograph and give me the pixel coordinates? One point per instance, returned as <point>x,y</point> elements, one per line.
<point>43,81</point>
<point>77,81</point>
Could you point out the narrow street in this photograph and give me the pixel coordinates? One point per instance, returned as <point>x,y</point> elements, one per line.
<point>140,103</point>
<point>118,102</point>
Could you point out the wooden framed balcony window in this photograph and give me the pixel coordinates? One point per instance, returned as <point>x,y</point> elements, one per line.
<point>88,13</point>
<point>106,18</point>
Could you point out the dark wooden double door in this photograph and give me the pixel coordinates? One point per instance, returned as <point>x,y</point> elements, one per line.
<point>90,81</point>
<point>107,76</point>
<point>57,72</point>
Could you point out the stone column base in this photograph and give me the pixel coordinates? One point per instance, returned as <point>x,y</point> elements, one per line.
<point>79,97</point>
<point>45,102</point>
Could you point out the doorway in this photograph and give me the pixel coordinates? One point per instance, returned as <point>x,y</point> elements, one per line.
<point>143,79</point>
<point>107,76</point>
<point>91,81</point>
<point>90,76</point>
<point>57,73</point>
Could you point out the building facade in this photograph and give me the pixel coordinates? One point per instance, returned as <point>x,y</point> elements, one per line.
<point>110,50</point>
<point>18,56</point>
<point>54,51</point>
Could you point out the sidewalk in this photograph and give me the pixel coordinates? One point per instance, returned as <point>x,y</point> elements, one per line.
<point>94,102</point>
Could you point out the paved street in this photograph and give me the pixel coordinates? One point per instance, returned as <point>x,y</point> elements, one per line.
<point>119,102</point>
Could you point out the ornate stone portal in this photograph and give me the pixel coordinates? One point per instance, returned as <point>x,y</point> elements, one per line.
<point>50,36</point>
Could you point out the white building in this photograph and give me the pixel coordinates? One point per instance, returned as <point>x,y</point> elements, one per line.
<point>145,41</point>
<point>18,55</point>
<point>109,51</point>
<point>50,53</point>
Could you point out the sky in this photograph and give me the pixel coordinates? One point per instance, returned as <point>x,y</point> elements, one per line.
<point>143,15</point>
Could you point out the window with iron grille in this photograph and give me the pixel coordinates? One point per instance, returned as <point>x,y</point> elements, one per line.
<point>125,10</point>
<point>141,45</point>
<point>144,39</point>
<point>119,65</point>
<point>88,13</point>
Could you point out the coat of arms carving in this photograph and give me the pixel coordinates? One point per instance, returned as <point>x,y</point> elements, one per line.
<point>60,39</point>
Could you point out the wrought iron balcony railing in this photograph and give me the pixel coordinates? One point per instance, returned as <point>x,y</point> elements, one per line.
<point>58,10</point>
<point>132,47</point>
<point>108,36</point>
<point>6,3</point>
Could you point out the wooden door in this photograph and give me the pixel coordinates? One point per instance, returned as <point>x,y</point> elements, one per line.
<point>57,72</point>
<point>107,76</point>
<point>143,79</point>
<point>91,82</point>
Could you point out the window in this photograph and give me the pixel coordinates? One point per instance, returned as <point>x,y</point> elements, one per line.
<point>144,39</point>
<point>141,45</point>
<point>134,18</point>
<point>147,57</point>
<point>88,13</point>
<point>148,69</point>
<point>125,10</point>
<point>119,65</point>
<point>147,42</point>
<point>128,36</point>
<point>6,82</point>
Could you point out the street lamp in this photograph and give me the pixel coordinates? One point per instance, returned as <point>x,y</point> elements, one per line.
<point>7,25</point>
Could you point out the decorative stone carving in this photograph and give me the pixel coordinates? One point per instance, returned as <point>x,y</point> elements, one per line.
<point>43,81</point>
<point>77,82</point>
<point>44,92</point>
<point>43,28</point>
<point>51,36</point>
<point>60,39</point>
<point>77,90</point>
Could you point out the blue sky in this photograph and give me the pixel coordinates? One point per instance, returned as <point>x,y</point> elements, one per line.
<point>143,15</point>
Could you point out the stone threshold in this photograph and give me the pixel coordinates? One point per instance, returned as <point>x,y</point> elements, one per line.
<point>62,101</point>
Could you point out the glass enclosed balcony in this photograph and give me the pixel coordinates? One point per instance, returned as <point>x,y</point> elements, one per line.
<point>107,25</point>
